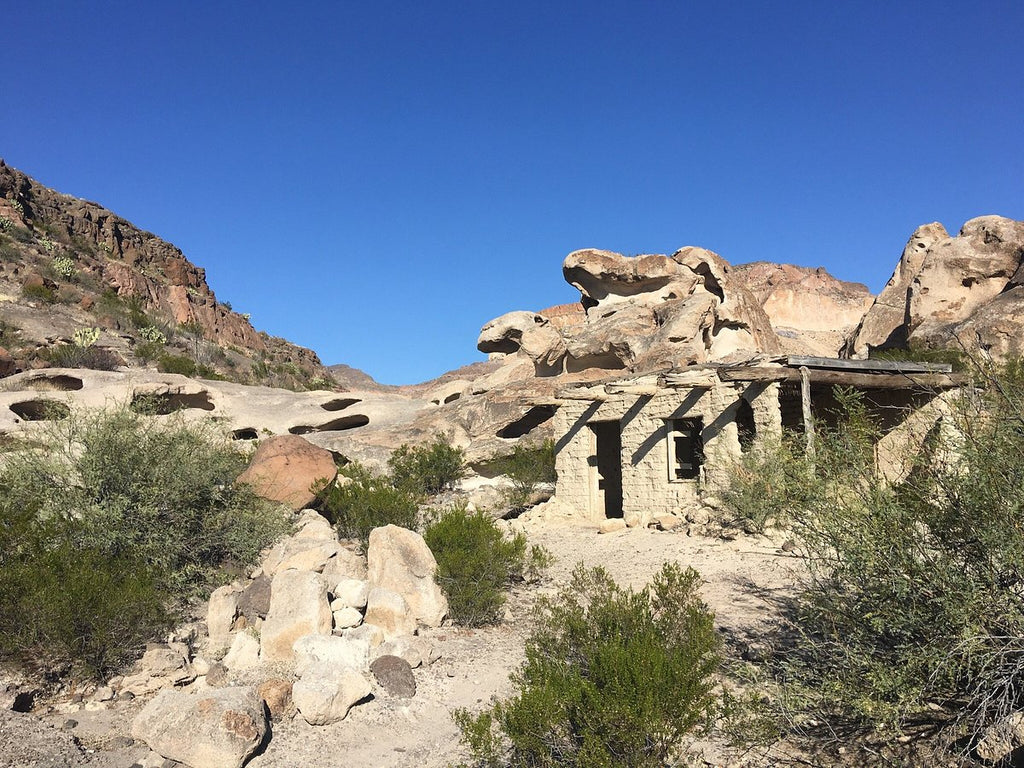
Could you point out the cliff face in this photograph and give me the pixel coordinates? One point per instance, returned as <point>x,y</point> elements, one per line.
<point>90,259</point>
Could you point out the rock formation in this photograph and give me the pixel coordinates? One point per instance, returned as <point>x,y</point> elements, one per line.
<point>811,311</point>
<point>952,291</point>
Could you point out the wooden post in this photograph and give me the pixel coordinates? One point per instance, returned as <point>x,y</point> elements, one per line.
<point>805,402</point>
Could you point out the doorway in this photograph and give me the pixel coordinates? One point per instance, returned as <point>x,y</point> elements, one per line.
<point>606,468</point>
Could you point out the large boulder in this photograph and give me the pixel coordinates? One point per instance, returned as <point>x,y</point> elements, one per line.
<point>327,692</point>
<point>286,467</point>
<point>390,612</point>
<point>947,291</point>
<point>399,560</point>
<point>214,728</point>
<point>311,650</point>
<point>220,616</point>
<point>298,606</point>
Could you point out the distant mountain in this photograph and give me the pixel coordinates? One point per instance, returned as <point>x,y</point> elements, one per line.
<point>80,286</point>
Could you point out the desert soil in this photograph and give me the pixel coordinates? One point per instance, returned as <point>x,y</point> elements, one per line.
<point>743,577</point>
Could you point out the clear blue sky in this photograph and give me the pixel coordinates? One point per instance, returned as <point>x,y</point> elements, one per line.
<point>377,180</point>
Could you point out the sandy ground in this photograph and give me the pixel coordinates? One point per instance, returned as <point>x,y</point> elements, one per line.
<point>742,577</point>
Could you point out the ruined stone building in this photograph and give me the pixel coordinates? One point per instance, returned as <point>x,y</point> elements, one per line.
<point>644,445</point>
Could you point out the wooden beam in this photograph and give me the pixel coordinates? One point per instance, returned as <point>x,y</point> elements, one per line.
<point>890,366</point>
<point>634,389</point>
<point>849,378</point>
<point>805,405</point>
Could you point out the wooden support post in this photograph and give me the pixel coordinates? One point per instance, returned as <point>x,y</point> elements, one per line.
<point>805,403</point>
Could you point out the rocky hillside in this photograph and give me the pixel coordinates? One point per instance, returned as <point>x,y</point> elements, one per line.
<point>80,286</point>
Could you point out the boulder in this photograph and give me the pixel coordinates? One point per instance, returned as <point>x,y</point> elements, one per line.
<point>244,652</point>
<point>210,729</point>
<point>345,564</point>
<point>611,525</point>
<point>351,592</point>
<point>220,616</point>
<point>277,695</point>
<point>311,650</point>
<point>369,633</point>
<point>8,366</point>
<point>345,617</point>
<point>1001,739</point>
<point>301,554</point>
<point>298,606</point>
<point>400,561</point>
<point>417,651</point>
<point>286,467</point>
<point>327,692</point>
<point>389,611</point>
<point>254,600</point>
<point>394,675</point>
<point>161,666</point>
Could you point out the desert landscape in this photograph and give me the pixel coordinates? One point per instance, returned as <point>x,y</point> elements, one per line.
<point>342,637</point>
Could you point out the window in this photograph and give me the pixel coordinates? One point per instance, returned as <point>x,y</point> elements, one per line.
<point>746,425</point>
<point>685,449</point>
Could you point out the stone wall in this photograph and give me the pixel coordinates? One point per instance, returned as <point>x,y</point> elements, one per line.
<point>648,487</point>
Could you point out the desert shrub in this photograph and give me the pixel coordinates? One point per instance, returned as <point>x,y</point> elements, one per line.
<point>148,351</point>
<point>76,356</point>
<point>527,467</point>
<point>148,507</point>
<point>769,483</point>
<point>476,563</point>
<point>428,469</point>
<point>367,501</point>
<point>39,292</point>
<point>612,677</point>
<point>912,610</point>
<point>169,363</point>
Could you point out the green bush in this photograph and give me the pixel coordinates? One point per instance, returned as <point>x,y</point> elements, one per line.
<point>117,520</point>
<point>476,563</point>
<point>769,484</point>
<point>428,469</point>
<point>39,292</point>
<point>611,678</point>
<point>528,467</point>
<point>76,356</point>
<point>367,501</point>
<point>912,610</point>
<point>169,363</point>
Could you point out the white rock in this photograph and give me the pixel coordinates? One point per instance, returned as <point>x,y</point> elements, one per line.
<point>399,560</point>
<point>389,611</point>
<point>345,617</point>
<point>244,652</point>
<point>221,615</point>
<point>345,564</point>
<point>351,592</point>
<point>370,633</point>
<point>298,606</point>
<point>326,692</point>
<point>416,651</point>
<point>217,728</point>
<point>301,554</point>
<point>611,525</point>
<point>312,650</point>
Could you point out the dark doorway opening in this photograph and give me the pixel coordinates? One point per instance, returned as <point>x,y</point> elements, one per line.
<point>608,461</point>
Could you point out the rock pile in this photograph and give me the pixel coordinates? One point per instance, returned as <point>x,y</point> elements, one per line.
<point>317,630</point>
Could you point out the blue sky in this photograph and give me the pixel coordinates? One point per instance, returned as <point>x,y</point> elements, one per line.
<point>377,180</point>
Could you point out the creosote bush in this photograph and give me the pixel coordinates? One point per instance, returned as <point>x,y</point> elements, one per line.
<point>367,501</point>
<point>527,467</point>
<point>612,677</point>
<point>476,563</point>
<point>769,482</point>
<point>109,523</point>
<point>912,611</point>
<point>427,469</point>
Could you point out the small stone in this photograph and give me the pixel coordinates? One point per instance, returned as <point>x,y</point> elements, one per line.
<point>70,724</point>
<point>611,525</point>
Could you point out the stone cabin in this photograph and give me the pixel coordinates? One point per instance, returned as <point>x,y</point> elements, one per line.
<point>644,445</point>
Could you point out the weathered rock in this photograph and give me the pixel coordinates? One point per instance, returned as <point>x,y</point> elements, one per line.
<point>298,606</point>
<point>394,675</point>
<point>220,616</point>
<point>948,288</point>
<point>254,601</point>
<point>244,652</point>
<point>667,522</point>
<point>1001,739</point>
<point>351,592</point>
<point>345,564</point>
<point>327,692</point>
<point>417,651</point>
<point>389,611</point>
<point>277,695</point>
<point>346,617</point>
<point>611,525</point>
<point>211,729</point>
<point>371,634</point>
<point>312,650</point>
<point>161,666</point>
<point>301,554</point>
<point>286,467</point>
<point>400,561</point>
